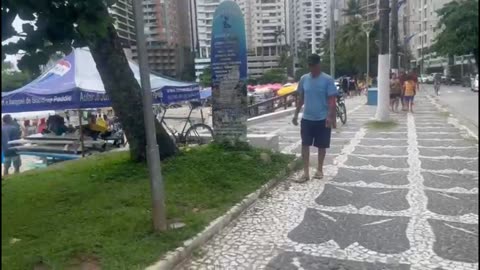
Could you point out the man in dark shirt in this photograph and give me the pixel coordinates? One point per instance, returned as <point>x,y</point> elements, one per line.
<point>10,132</point>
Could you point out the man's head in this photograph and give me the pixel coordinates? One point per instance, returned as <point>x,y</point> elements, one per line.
<point>314,64</point>
<point>7,119</point>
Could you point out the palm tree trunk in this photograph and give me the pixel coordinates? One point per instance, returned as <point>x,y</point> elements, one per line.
<point>125,93</point>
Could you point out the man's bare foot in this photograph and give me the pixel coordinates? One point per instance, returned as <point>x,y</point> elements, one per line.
<point>304,178</point>
<point>318,175</point>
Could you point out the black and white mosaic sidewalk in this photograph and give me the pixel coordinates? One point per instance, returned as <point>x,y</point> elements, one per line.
<point>405,198</point>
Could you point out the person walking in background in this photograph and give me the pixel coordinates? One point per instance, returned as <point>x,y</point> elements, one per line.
<point>352,86</point>
<point>318,93</point>
<point>409,92</point>
<point>345,86</point>
<point>402,78</point>
<point>436,83</point>
<point>10,132</point>
<point>395,92</point>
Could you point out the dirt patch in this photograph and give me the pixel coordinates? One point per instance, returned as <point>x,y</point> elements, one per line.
<point>85,263</point>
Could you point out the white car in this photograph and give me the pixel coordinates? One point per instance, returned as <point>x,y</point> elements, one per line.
<point>422,78</point>
<point>475,84</point>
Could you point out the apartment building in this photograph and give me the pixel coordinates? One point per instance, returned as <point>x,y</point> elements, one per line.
<point>309,22</point>
<point>418,29</point>
<point>123,20</point>
<point>266,30</point>
<point>167,33</point>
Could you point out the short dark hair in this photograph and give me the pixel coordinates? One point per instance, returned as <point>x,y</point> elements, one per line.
<point>7,119</point>
<point>313,60</point>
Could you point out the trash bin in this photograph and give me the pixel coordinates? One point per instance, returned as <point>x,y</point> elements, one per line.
<point>372,96</point>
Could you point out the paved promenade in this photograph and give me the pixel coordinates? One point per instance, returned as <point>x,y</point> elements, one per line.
<point>402,198</point>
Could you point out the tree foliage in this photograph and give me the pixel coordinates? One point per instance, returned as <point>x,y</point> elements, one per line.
<point>350,49</point>
<point>458,24</point>
<point>57,26</point>
<point>353,9</point>
<point>13,79</point>
<point>206,77</point>
<point>274,75</point>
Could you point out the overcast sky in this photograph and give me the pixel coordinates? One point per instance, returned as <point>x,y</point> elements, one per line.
<point>17,24</point>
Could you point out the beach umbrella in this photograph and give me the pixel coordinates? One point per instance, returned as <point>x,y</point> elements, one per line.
<point>287,90</point>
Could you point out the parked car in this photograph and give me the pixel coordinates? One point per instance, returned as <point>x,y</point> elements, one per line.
<point>448,80</point>
<point>475,84</point>
<point>423,78</point>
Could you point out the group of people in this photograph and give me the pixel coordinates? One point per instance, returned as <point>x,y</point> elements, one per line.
<point>403,88</point>
<point>350,86</point>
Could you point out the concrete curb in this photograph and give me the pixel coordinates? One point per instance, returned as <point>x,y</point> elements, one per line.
<point>174,258</point>
<point>454,118</point>
<point>269,116</point>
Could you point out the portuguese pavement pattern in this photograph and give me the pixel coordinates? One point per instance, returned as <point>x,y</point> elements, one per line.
<point>397,199</point>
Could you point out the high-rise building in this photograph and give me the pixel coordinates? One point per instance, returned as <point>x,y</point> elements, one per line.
<point>167,33</point>
<point>417,31</point>
<point>122,14</point>
<point>369,10</point>
<point>266,32</point>
<point>309,22</point>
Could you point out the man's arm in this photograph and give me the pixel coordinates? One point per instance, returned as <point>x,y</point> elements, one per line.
<point>332,94</point>
<point>300,101</point>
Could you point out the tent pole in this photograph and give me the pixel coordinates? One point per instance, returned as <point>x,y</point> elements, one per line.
<point>82,145</point>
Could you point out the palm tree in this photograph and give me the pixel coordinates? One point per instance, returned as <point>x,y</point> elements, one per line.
<point>278,33</point>
<point>351,33</point>
<point>353,9</point>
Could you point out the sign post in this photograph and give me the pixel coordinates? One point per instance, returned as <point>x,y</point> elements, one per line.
<point>229,73</point>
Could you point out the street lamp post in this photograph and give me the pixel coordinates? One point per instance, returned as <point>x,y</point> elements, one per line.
<point>367,28</point>
<point>153,155</point>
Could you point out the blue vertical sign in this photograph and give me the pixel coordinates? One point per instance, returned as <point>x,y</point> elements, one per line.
<point>229,73</point>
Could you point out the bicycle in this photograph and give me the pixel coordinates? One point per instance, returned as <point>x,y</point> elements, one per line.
<point>341,109</point>
<point>196,134</point>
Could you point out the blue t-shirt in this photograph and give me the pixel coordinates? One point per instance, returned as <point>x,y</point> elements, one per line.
<point>316,92</point>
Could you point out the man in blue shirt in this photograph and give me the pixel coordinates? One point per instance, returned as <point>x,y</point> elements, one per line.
<point>318,93</point>
<point>10,132</point>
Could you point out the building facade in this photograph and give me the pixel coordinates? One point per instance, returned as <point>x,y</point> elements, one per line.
<point>418,30</point>
<point>167,33</point>
<point>266,30</point>
<point>309,22</point>
<point>123,20</point>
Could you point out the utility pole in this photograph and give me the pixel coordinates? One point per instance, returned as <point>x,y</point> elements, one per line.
<point>383,73</point>
<point>394,36</point>
<point>153,155</point>
<point>332,38</point>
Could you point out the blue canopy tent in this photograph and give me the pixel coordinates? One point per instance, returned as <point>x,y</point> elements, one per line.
<point>74,83</point>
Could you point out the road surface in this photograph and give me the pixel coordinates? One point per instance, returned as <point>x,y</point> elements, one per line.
<point>461,102</point>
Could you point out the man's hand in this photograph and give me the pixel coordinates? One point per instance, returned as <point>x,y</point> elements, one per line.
<point>329,123</point>
<point>295,120</point>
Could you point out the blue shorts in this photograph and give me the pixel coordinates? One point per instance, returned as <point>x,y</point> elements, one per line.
<point>408,98</point>
<point>315,133</point>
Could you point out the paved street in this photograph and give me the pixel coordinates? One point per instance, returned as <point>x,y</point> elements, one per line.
<point>403,198</point>
<point>461,101</point>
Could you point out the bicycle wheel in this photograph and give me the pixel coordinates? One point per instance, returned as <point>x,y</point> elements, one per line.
<point>198,134</point>
<point>342,113</point>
